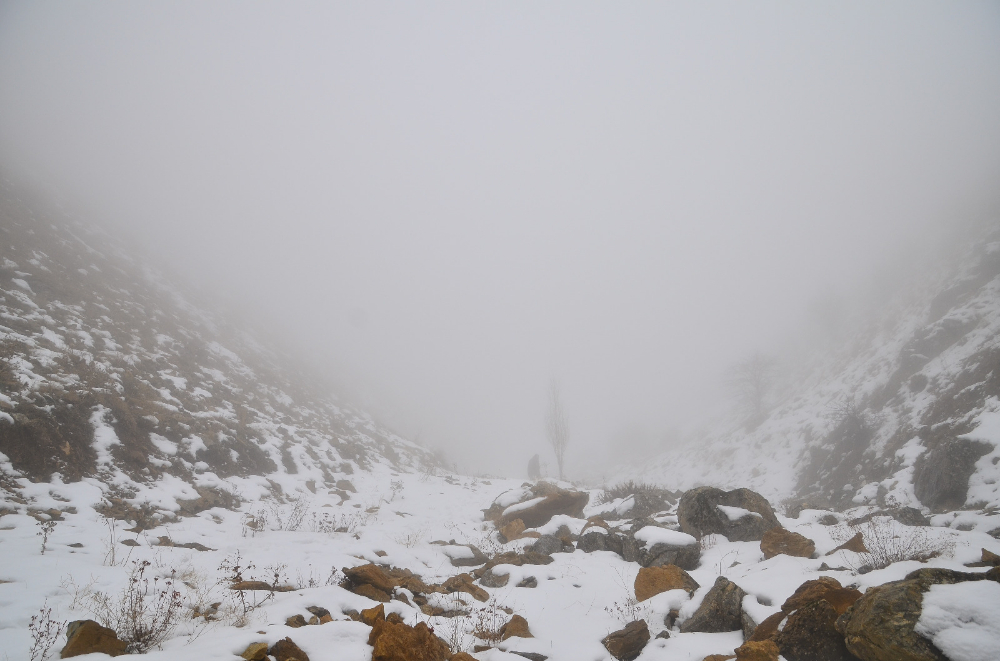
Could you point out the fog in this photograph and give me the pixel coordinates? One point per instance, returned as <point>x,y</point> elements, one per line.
<point>444,207</point>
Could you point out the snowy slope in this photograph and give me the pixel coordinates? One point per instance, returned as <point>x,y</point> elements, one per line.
<point>108,371</point>
<point>904,413</point>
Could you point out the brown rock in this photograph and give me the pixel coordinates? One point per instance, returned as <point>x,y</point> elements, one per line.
<point>810,634</point>
<point>255,652</point>
<point>296,621</point>
<point>517,626</point>
<point>826,588</point>
<point>87,637</point>
<point>260,585</point>
<point>652,581</point>
<point>856,544</point>
<point>719,657</point>
<point>371,592</point>
<point>326,618</point>
<point>554,501</point>
<point>768,628</point>
<point>778,541</point>
<point>720,611</point>
<point>463,583</point>
<point>399,642</point>
<point>369,574</point>
<point>626,644</point>
<point>286,650</point>
<point>374,615</point>
<point>512,530</point>
<point>990,558</point>
<point>758,650</point>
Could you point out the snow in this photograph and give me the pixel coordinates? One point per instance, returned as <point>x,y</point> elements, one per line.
<point>652,535</point>
<point>104,435</point>
<point>963,620</point>
<point>520,507</point>
<point>736,513</point>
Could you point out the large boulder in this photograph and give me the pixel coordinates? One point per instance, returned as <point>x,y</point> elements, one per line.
<point>536,504</point>
<point>778,541</point>
<point>626,644</point>
<point>516,627</point>
<point>396,641</point>
<point>763,650</point>
<point>880,625</point>
<point>370,574</point>
<point>810,634</point>
<point>741,515</point>
<point>651,581</point>
<point>720,611</point>
<point>88,637</point>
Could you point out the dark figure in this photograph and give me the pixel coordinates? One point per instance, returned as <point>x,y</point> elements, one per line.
<point>534,472</point>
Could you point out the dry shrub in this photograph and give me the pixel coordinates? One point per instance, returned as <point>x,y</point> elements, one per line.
<point>889,542</point>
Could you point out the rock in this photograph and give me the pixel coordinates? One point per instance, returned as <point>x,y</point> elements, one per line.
<point>825,588</point>
<point>879,625</point>
<point>286,650</point>
<point>463,583</point>
<point>491,580</point>
<point>532,656</point>
<point>719,657</point>
<point>261,585</point>
<point>393,641</point>
<point>663,635</point>
<point>626,644</point>
<point>758,650</point>
<point>652,581</point>
<point>828,520</point>
<point>698,514</point>
<point>255,652</point>
<point>908,516</point>
<point>512,558</point>
<point>685,556</point>
<point>810,634</point>
<point>990,558</point>
<point>720,611</point>
<point>551,499</point>
<point>88,637</point>
<point>856,544</point>
<point>372,593</point>
<point>369,574</point>
<point>593,541</point>
<point>374,615</point>
<point>318,611</point>
<point>547,544</point>
<point>345,485</point>
<point>296,621</point>
<point>529,582</point>
<point>512,530</point>
<point>517,626</point>
<point>941,475</point>
<point>777,541</point>
<point>478,558</point>
<point>768,628</point>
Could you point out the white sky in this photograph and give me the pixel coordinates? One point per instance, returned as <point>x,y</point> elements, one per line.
<point>445,205</point>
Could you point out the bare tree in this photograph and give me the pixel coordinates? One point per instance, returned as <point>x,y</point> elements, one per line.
<point>555,426</point>
<point>750,380</point>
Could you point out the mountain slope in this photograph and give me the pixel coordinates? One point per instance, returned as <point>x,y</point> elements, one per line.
<point>107,371</point>
<point>904,416</point>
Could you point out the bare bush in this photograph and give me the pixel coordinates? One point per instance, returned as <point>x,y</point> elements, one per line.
<point>488,621</point>
<point>143,614</point>
<point>44,633</point>
<point>242,603</point>
<point>291,521</point>
<point>888,542</point>
<point>410,539</point>
<point>630,488</point>
<point>46,529</point>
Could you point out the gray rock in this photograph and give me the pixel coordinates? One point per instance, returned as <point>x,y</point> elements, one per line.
<point>722,609</point>
<point>698,514</point>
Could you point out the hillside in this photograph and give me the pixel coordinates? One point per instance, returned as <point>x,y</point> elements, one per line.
<point>109,372</point>
<point>905,414</point>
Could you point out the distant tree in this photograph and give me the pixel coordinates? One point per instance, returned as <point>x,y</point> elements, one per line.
<point>556,428</point>
<point>751,380</point>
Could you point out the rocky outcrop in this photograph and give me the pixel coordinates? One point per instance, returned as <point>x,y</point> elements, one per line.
<point>651,581</point>
<point>626,644</point>
<point>396,641</point>
<point>778,541</point>
<point>941,476</point>
<point>89,637</point>
<point>720,611</point>
<point>763,650</point>
<point>880,624</point>
<point>539,503</point>
<point>707,510</point>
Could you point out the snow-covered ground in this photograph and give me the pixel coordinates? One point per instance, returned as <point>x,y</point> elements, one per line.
<point>392,520</point>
